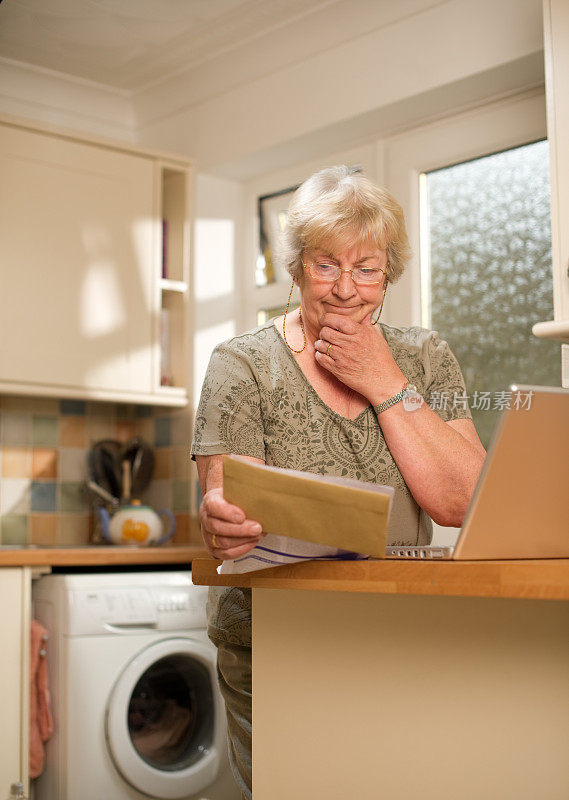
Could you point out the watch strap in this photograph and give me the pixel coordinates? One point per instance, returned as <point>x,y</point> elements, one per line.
<point>392,401</point>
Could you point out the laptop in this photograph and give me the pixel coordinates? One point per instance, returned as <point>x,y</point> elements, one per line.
<point>520,507</point>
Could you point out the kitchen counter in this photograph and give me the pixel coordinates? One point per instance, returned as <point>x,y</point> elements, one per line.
<point>96,555</point>
<point>401,678</point>
<point>538,579</point>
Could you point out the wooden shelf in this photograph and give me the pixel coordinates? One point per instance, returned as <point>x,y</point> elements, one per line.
<point>174,285</point>
<point>95,555</point>
<point>546,579</point>
<point>180,287</point>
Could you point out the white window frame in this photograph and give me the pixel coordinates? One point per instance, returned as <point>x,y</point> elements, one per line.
<point>498,126</point>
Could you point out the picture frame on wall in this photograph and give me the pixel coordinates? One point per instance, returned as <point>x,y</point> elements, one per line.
<point>272,212</point>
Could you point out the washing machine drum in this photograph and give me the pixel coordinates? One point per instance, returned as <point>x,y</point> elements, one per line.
<point>164,722</point>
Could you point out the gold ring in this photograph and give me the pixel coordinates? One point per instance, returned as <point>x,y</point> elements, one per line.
<point>328,349</point>
<point>214,541</point>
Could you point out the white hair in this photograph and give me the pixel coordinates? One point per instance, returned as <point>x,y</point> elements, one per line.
<point>339,205</point>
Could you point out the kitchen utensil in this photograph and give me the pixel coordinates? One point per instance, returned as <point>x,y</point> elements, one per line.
<point>126,481</point>
<point>141,458</point>
<point>102,493</point>
<point>104,465</point>
<point>136,524</point>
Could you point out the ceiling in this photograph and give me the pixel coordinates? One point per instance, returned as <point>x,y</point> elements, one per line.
<point>132,44</point>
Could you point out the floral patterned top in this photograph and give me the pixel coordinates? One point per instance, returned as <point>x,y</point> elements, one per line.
<point>256,401</point>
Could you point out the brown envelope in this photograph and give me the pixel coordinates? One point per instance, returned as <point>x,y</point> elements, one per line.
<point>310,507</point>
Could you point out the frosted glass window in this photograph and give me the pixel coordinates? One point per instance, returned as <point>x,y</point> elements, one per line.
<point>486,241</point>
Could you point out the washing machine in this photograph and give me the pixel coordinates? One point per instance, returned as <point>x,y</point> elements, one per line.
<point>137,712</point>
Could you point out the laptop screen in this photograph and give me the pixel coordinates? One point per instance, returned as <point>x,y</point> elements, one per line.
<point>520,508</point>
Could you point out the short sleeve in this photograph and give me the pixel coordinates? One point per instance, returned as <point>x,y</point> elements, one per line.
<point>228,418</point>
<point>445,390</point>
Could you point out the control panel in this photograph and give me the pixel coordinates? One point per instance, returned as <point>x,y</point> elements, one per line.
<point>93,611</point>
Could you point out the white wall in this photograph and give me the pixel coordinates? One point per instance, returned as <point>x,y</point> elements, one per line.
<point>390,73</point>
<point>52,97</point>
<point>218,269</point>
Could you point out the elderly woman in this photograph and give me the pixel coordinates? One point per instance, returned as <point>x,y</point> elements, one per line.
<point>323,390</point>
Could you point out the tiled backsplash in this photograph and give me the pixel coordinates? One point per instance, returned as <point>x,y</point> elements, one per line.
<point>43,465</point>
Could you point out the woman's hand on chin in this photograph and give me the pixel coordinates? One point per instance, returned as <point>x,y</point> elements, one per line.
<point>358,355</point>
<point>226,532</point>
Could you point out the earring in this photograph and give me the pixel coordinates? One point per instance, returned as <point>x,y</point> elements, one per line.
<point>381,306</point>
<point>301,323</point>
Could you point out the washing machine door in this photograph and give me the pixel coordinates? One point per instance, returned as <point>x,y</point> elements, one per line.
<point>164,719</point>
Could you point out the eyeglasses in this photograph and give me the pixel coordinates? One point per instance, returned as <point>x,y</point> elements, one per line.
<point>330,273</point>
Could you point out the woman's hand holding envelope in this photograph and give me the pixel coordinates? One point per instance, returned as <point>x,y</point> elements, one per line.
<point>226,531</point>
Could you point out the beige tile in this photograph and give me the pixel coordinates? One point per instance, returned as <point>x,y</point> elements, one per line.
<point>182,532</point>
<point>98,428</point>
<point>181,463</point>
<point>72,463</point>
<point>107,410</point>
<point>45,405</point>
<point>43,529</point>
<point>16,462</point>
<point>162,463</point>
<point>16,430</point>
<point>125,429</point>
<point>182,428</point>
<point>195,531</point>
<point>145,429</point>
<point>73,529</point>
<point>18,403</point>
<point>158,494</point>
<point>72,432</point>
<point>44,463</point>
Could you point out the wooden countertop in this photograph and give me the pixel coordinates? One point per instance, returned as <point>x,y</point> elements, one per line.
<point>95,555</point>
<point>546,579</point>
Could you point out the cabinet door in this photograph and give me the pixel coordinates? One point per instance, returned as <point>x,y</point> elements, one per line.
<point>15,596</point>
<point>77,251</point>
<point>556,35</point>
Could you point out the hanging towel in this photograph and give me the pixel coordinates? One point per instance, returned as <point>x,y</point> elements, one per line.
<point>41,722</point>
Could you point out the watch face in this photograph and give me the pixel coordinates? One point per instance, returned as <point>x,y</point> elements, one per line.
<point>412,400</point>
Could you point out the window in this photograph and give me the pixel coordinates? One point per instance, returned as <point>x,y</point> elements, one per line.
<point>486,272</point>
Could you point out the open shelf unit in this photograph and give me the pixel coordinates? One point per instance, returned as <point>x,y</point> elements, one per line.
<point>174,284</point>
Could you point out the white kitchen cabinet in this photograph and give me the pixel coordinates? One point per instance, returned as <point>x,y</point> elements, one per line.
<point>81,267</point>
<point>556,47</point>
<point>15,601</point>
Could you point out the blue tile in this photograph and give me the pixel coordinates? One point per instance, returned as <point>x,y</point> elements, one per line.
<point>162,432</point>
<point>72,408</point>
<point>43,496</point>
